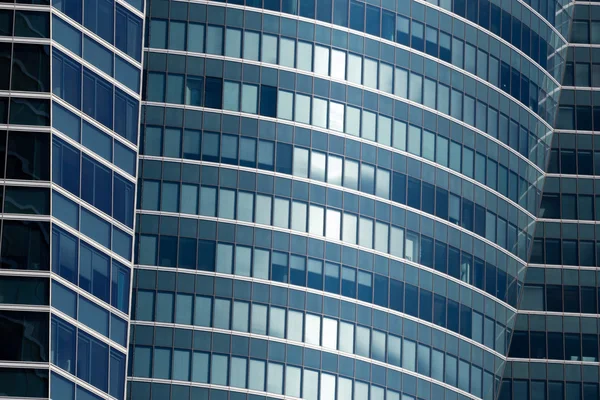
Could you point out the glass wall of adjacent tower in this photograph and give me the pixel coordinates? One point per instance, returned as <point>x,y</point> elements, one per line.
<point>554,350</point>
<point>337,198</point>
<point>70,96</point>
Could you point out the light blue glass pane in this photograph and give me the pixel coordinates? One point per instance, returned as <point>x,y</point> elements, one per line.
<point>195,41</point>
<point>177,35</point>
<point>275,378</point>
<point>147,251</point>
<point>93,316</point>
<point>175,88</point>
<point>65,210</point>
<point>61,388</point>
<point>83,394</point>
<point>97,141</point>
<point>183,308</point>
<point>118,330</point>
<point>256,375</point>
<point>221,314</point>
<point>98,55</point>
<point>214,40</point>
<point>200,367</point>
<point>117,374</point>
<point>181,365</point>
<point>208,201</point>
<point>127,74</point>
<point>238,372</point>
<point>145,305</point>
<point>139,4</point>
<point>233,43</point>
<point>189,199</point>
<point>95,228</point>
<point>162,363</point>
<point>164,307</point>
<point>64,299</point>
<point>153,143</point>
<point>224,258</point>
<point>142,361</point>
<point>158,38</point>
<point>218,370</point>
<point>124,158</point>
<point>172,142</point>
<point>66,122</point>
<point>170,197</point>
<point>66,35</point>
<point>122,243</point>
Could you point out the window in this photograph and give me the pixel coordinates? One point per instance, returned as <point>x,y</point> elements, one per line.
<point>66,79</point>
<point>94,272</point>
<point>124,192</point>
<point>99,18</point>
<point>304,56</point>
<point>120,287</point>
<point>233,41</point>
<point>63,345</point>
<point>128,34</point>
<point>92,361</point>
<point>30,68</point>
<point>214,40</point>
<point>97,98</point>
<point>269,49</point>
<point>98,189</point>
<point>126,116</point>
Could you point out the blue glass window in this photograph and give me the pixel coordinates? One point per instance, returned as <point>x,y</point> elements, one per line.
<point>65,166</point>
<point>128,34</point>
<point>98,188</point>
<point>357,16</point>
<point>62,388</point>
<point>64,254</point>
<point>63,345</point>
<point>126,116</point>
<point>99,18</point>
<point>93,316</point>
<point>97,141</point>
<point>97,98</point>
<point>127,74</point>
<point>66,78</point>
<point>98,55</point>
<point>94,272</point>
<point>120,287</point>
<point>124,192</point>
<point>72,8</point>
<point>92,361</point>
<point>117,374</point>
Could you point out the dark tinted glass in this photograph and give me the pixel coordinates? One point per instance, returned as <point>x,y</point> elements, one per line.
<point>28,156</point>
<point>30,112</point>
<point>25,336</point>
<point>32,24</point>
<point>31,68</point>
<point>25,245</point>
<point>27,200</point>
<point>23,382</point>
<point>6,22</point>
<point>24,290</point>
<point>5,57</point>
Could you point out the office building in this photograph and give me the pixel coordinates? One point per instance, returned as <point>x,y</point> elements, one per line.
<point>69,109</point>
<point>335,200</point>
<point>338,199</point>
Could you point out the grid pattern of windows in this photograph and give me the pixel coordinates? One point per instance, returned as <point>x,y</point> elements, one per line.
<point>558,313</point>
<point>350,211</point>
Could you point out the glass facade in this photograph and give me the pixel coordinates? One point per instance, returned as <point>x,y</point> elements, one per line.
<point>336,199</point>
<point>70,97</point>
